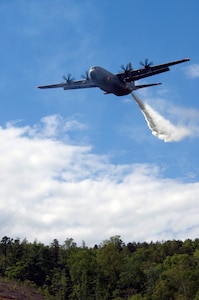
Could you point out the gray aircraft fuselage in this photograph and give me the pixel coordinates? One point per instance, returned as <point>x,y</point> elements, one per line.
<point>109,82</point>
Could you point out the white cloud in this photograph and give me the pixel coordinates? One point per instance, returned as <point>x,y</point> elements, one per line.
<point>72,125</point>
<point>51,188</point>
<point>192,71</point>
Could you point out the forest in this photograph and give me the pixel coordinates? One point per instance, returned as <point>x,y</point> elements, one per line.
<point>164,270</point>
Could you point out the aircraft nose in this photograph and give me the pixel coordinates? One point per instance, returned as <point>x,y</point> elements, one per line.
<point>92,72</point>
<point>93,68</point>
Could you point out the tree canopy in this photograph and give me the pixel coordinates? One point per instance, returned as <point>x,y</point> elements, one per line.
<point>111,270</point>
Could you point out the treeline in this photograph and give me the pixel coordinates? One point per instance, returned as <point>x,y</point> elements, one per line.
<point>112,270</point>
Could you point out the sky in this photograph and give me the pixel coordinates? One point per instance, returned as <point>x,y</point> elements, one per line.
<point>80,164</point>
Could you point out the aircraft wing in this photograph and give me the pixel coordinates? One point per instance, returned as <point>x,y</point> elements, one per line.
<point>79,84</point>
<point>149,71</point>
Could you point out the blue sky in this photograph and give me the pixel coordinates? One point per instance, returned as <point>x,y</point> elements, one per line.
<point>86,165</point>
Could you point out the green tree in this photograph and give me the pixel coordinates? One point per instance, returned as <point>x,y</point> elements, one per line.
<point>5,253</point>
<point>176,281</point>
<point>109,260</point>
<point>132,277</point>
<point>82,269</point>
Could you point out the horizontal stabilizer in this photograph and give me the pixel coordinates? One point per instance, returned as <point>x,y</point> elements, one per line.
<point>146,85</point>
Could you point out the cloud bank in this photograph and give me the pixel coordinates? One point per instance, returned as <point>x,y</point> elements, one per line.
<point>53,188</point>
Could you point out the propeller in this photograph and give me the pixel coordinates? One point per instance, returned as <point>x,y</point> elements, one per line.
<point>146,64</point>
<point>127,70</point>
<point>68,79</point>
<point>86,76</point>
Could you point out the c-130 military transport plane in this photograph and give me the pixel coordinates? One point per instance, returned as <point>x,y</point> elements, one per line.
<point>119,84</point>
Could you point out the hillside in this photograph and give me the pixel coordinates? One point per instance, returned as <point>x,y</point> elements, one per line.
<point>12,290</point>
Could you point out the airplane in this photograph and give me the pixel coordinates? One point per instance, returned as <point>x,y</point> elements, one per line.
<point>120,84</point>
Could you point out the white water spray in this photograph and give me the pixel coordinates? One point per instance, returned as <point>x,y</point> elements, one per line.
<point>159,126</point>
